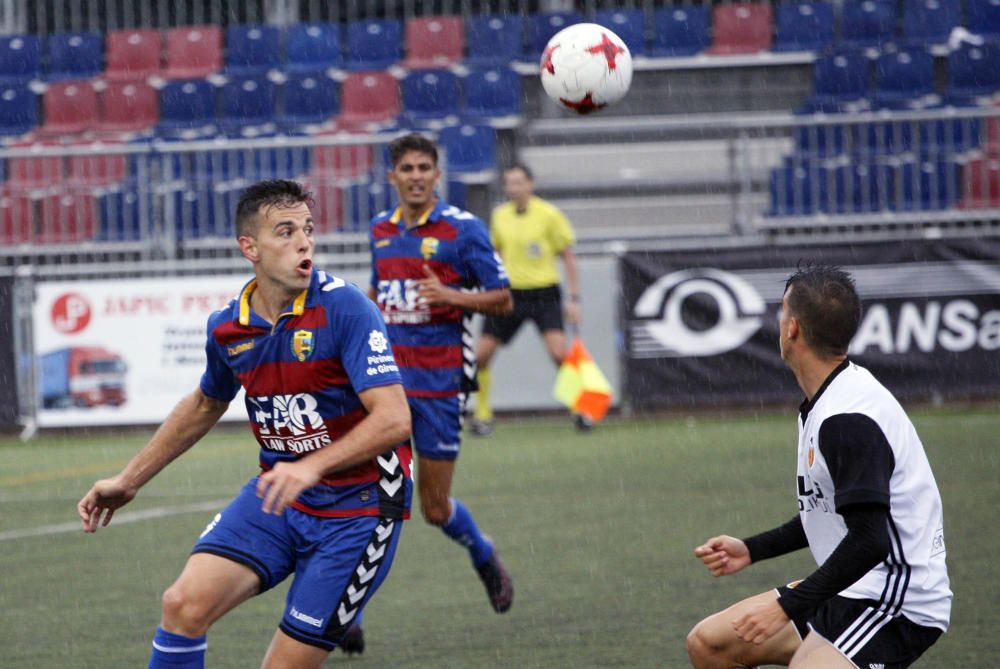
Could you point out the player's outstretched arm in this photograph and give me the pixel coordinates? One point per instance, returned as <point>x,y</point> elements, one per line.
<point>723,555</point>
<point>190,420</point>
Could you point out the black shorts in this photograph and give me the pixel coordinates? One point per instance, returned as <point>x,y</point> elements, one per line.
<point>541,305</point>
<point>866,636</point>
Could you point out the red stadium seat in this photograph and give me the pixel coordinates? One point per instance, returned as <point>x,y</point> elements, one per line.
<point>743,28</point>
<point>342,162</point>
<point>66,217</point>
<point>133,54</point>
<point>70,108</point>
<point>368,98</point>
<point>981,183</point>
<point>434,41</point>
<point>30,172</point>
<point>328,203</point>
<point>99,169</point>
<point>193,52</point>
<point>129,106</point>
<point>16,209</point>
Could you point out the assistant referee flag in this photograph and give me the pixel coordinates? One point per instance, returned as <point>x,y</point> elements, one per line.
<point>581,385</point>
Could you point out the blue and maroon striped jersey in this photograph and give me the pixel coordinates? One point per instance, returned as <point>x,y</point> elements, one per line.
<point>302,378</point>
<point>432,344</point>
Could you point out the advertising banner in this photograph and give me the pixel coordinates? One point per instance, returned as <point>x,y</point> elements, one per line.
<point>123,352</point>
<point>701,327</point>
<point>8,373</point>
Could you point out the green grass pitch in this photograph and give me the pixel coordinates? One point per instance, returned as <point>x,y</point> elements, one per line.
<point>597,529</point>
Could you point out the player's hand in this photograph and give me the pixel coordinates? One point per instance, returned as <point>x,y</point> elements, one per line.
<point>282,485</point>
<point>431,289</point>
<point>573,312</point>
<point>104,497</point>
<point>723,555</point>
<point>761,622</point>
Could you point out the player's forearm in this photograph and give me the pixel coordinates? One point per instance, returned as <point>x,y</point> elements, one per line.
<point>572,276</point>
<point>490,302</point>
<point>781,540</point>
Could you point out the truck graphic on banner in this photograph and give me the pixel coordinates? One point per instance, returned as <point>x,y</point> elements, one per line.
<point>81,376</point>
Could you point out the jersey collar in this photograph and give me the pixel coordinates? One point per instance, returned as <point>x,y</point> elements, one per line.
<point>431,214</point>
<point>307,298</point>
<point>808,404</point>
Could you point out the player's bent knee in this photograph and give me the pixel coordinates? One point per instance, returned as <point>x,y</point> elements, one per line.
<point>435,513</point>
<point>182,614</point>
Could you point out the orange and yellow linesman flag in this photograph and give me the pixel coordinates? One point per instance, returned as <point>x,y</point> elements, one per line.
<point>581,385</point>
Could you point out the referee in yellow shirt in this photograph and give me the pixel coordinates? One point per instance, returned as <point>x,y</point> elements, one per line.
<point>529,233</point>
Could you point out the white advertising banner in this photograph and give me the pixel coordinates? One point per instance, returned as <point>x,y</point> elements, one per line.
<point>123,352</point>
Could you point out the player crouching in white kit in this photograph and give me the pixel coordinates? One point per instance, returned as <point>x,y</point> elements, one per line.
<point>869,511</point>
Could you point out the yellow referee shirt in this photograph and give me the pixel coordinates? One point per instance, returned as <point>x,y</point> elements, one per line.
<point>529,242</point>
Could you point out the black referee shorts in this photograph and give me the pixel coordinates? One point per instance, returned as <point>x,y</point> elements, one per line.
<point>541,305</point>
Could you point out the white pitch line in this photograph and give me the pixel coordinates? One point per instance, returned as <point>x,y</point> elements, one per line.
<point>119,519</point>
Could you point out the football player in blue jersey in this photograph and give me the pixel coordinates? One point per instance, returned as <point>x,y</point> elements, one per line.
<point>325,401</point>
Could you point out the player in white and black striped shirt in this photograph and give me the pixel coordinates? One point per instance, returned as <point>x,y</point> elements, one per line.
<point>869,511</point>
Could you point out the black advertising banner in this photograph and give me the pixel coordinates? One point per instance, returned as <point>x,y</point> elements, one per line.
<point>8,378</point>
<point>701,327</point>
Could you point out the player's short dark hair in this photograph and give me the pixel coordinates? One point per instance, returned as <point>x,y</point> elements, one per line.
<point>280,192</point>
<point>826,303</point>
<point>520,166</point>
<point>412,142</point>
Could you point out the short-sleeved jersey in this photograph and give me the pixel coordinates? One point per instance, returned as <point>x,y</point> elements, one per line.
<point>432,344</point>
<point>857,446</point>
<point>302,379</point>
<point>529,242</point>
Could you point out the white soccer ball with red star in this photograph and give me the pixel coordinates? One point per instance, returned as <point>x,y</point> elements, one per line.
<point>586,67</point>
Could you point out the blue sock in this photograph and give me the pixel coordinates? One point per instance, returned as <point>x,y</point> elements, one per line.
<point>173,651</point>
<point>462,528</point>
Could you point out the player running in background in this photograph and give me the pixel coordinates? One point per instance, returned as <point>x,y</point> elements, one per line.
<point>432,264</point>
<point>326,403</point>
<point>529,233</point>
<point>869,511</point>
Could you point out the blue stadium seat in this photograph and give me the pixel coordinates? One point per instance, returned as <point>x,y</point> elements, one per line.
<point>469,148</point>
<point>18,110</point>
<point>20,58</point>
<point>247,104</point>
<point>542,26</point>
<point>492,93</point>
<point>838,78</point>
<point>75,55</point>
<point>309,98</point>
<point>458,193</point>
<point>822,141</point>
<point>314,45</point>
<point>430,95</point>
<point>983,17</point>
<point>681,30</point>
<point>930,21</point>
<point>629,24</point>
<point>374,44</point>
<point>804,26</point>
<point>950,135</point>
<point>973,70</point>
<point>187,108</point>
<point>851,186</point>
<point>868,22</point>
<point>902,76</point>
<point>124,214</point>
<point>494,39</point>
<point>252,50</point>
<point>884,137</point>
<point>920,184</point>
<point>792,189</point>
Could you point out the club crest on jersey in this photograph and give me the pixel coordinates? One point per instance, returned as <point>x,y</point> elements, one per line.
<point>429,247</point>
<point>303,343</point>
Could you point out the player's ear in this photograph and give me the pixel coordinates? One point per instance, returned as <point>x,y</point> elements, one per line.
<point>248,247</point>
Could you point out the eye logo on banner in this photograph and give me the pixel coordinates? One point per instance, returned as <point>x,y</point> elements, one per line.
<point>662,331</point>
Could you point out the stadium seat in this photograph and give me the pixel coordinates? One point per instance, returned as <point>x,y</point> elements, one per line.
<point>430,94</point>
<point>629,24</point>
<point>494,39</point>
<point>492,93</point>
<point>187,107</point>
<point>252,50</point>
<point>70,107</point>
<point>327,203</point>
<point>804,26</point>
<point>97,170</point>
<point>791,188</point>
<point>66,217</point>
<point>680,31</point>
<point>851,186</point>
<point>18,109</point>
<point>468,149</point>
<point>368,98</point>
<point>838,78</point>
<point>742,28</point>
<point>128,106</point>
<point>32,171</point>
<point>868,23</point>
<point>16,215</point>
<point>930,21</point>
<point>981,183</point>
<point>886,137</point>
<point>950,135</point>
<point>343,162</point>
<point>124,213</point>
<point>20,58</point>
<point>982,17</point>
<point>822,141</point>
<point>434,41</point>
<point>901,76</point>
<point>193,52</point>
<point>542,26</point>
<point>247,104</point>
<point>973,70</point>
<point>313,46</point>
<point>309,99</point>
<point>75,55</point>
<point>919,184</point>
<point>374,44</point>
<point>133,54</point>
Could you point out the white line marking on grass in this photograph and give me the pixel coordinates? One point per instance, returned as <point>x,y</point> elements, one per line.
<point>119,519</point>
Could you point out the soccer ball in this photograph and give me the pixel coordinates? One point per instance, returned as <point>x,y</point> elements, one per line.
<point>586,67</point>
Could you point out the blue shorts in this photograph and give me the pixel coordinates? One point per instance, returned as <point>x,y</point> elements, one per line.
<point>437,426</point>
<point>338,563</point>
